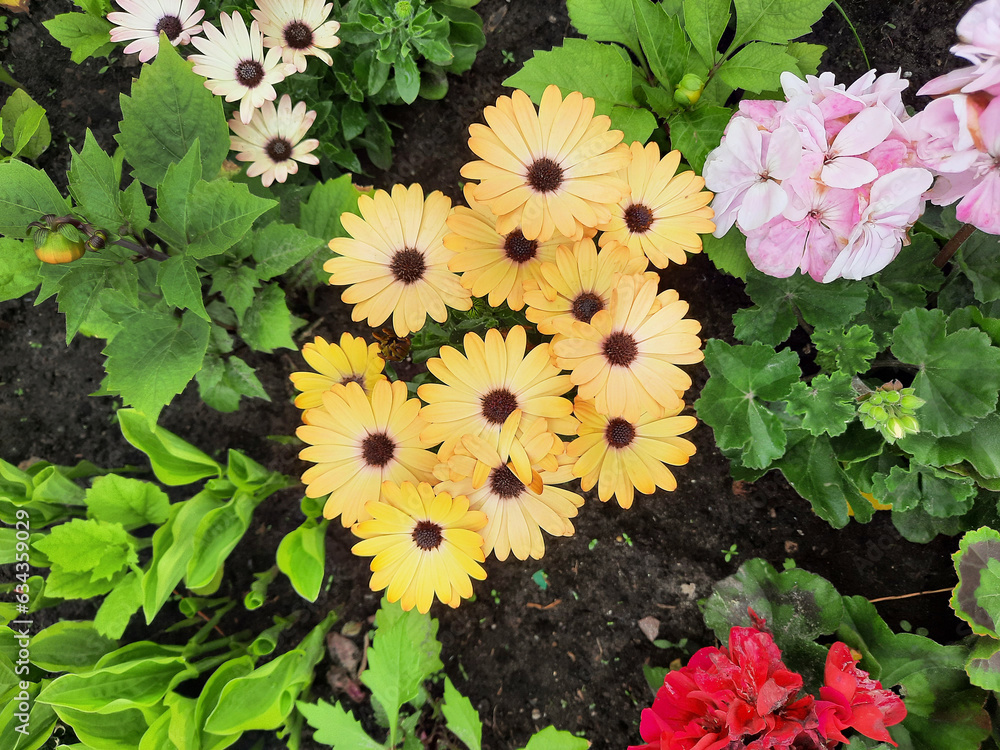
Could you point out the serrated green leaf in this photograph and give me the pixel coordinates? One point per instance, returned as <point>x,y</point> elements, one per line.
<point>979,447</point>
<point>175,462</point>
<point>959,373</point>
<point>154,357</point>
<point>81,286</point>
<point>635,124</point>
<point>93,182</point>
<point>596,70</point>
<point>236,284</point>
<point>605,21</point>
<point>180,283</point>
<point>98,548</point>
<point>551,738</point>
<point>777,21</point>
<point>811,467</point>
<point>462,719</point>
<point>931,490</point>
<point>223,382</point>
<point>119,605</point>
<point>826,405</point>
<point>302,557</point>
<point>18,268</point>
<point>320,215</point>
<point>26,195</point>
<point>268,324</point>
<point>732,403</point>
<point>977,259</point>
<point>82,34</point>
<point>705,21</point>
<point>277,247</point>
<point>807,57</point>
<point>728,253</point>
<point>848,350</point>
<point>663,41</point>
<point>757,67</point>
<point>25,130</point>
<point>169,110</point>
<point>336,727</point>
<point>129,502</point>
<point>695,132</point>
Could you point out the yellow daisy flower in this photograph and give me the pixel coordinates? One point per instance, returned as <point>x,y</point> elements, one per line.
<point>395,262</point>
<point>491,263</point>
<point>482,388</point>
<point>357,444</point>
<point>621,456</point>
<point>353,361</point>
<point>425,542</point>
<point>626,358</point>
<point>516,511</point>
<point>554,170</point>
<point>665,213</point>
<point>578,284</point>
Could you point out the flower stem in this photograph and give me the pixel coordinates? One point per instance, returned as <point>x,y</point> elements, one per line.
<point>144,251</point>
<point>853,31</point>
<point>953,244</point>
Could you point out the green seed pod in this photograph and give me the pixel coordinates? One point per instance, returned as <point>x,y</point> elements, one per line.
<point>55,248</point>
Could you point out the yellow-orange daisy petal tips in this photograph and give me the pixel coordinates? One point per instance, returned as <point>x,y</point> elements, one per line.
<point>665,213</point>
<point>621,456</point>
<point>357,443</point>
<point>425,544</point>
<point>352,361</point>
<point>395,262</point>
<point>550,170</point>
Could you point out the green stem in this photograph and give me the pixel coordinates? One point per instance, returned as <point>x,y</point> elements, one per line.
<point>953,244</point>
<point>7,78</point>
<point>854,31</point>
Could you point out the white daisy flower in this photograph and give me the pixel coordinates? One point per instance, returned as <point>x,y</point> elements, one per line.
<point>145,19</point>
<point>234,63</point>
<point>273,140</point>
<point>299,28</point>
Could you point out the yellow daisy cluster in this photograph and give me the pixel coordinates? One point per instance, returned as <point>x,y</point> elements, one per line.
<point>562,222</point>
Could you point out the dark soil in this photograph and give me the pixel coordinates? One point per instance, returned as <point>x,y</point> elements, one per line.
<point>570,655</point>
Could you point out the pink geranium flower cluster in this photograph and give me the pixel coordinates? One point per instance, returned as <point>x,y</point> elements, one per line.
<point>744,696</point>
<point>958,134</point>
<point>825,182</point>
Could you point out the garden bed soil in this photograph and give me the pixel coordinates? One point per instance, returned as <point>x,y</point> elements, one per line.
<point>569,655</point>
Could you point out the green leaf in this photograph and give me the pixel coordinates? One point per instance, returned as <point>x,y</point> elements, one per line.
<point>174,461</point>
<point>811,467</point>
<point>268,324</point>
<point>18,269</point>
<point>663,41</point>
<point>977,259</point>
<point>757,67</point>
<point>551,738</point>
<point>83,34</point>
<point>93,182</point>
<point>278,247</point>
<point>169,110</point>
<point>122,730</point>
<point>320,215</point>
<point>983,665</point>
<point>935,492</point>
<point>741,379</point>
<point>69,646</point>
<point>26,195</point>
<point>133,684</point>
<point>906,281</point>
<point>729,253</point>
<point>959,373</point>
<point>461,718</point>
<point>655,677</point>
<point>98,548</point>
<point>605,21</point>
<point>978,448</point>
<point>129,502</point>
<point>404,653</point>
<point>406,76</point>
<point>236,284</point>
<point>847,350</point>
<point>705,21</point>
<point>41,721</point>
<point>336,727</point>
<point>217,534</point>
<point>695,132</point>
<point>154,357</point>
<point>82,284</point>
<point>807,57</point>
<point>635,124</point>
<point>302,557</point>
<point>826,405</point>
<point>25,128</point>
<point>975,552</point>
<point>259,700</point>
<point>777,21</point>
<point>798,606</point>
<point>118,607</point>
<point>596,70</point>
<point>223,382</point>
<point>180,284</point>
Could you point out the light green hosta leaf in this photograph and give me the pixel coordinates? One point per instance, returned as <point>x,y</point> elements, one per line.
<point>959,374</point>
<point>70,646</point>
<point>259,700</point>
<point>757,67</point>
<point>25,130</point>
<point>302,557</point>
<point>154,357</point>
<point>41,721</point>
<point>663,42</point>
<point>118,606</point>
<point>122,730</point>
<point>826,405</point>
<point>267,324</point>
<point>605,21</point>
<point>129,502</point>
<point>705,21</point>
<point>98,548</point>
<point>695,132</point>
<point>336,727</point>
<point>849,350</point>
<point>636,124</point>
<point>777,21</point>
<point>551,738</point>
<point>169,110</point>
<point>936,492</point>
<point>461,717</point>
<point>174,461</point>
<point>18,268</point>
<point>26,195</point>
<point>732,403</point>
<point>223,382</point>
<point>106,690</point>
<point>217,534</point>
<point>82,34</point>
<point>595,70</point>
<point>179,281</point>
<point>811,467</point>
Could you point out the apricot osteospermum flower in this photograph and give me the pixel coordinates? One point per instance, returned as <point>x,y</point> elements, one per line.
<point>357,444</point>
<point>516,511</point>
<point>578,284</point>
<point>550,170</point>
<point>298,28</point>
<point>491,263</point>
<point>235,65</point>
<point>666,211</point>
<point>621,456</point>
<point>482,388</point>
<point>395,262</point>
<point>353,361</point>
<point>626,358</point>
<point>273,140</point>
<point>425,542</point>
<point>143,22</point>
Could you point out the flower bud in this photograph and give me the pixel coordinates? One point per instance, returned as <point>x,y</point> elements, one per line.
<point>403,10</point>
<point>98,240</point>
<point>890,411</point>
<point>688,91</point>
<point>51,246</point>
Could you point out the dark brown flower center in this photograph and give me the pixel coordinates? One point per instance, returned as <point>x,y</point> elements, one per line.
<point>619,433</point>
<point>518,249</point>
<point>638,218</point>
<point>544,175</point>
<point>498,405</point>
<point>249,73</point>
<point>586,306</point>
<point>359,379</point>
<point>377,449</point>
<point>620,349</point>
<point>408,265</point>
<point>171,26</point>
<point>278,149</point>
<point>427,535</point>
<point>298,35</point>
<point>504,484</point>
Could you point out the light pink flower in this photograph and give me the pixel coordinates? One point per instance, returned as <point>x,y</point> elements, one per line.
<point>979,43</point>
<point>896,202</point>
<point>981,205</point>
<point>273,140</point>
<point>843,166</point>
<point>144,21</point>
<point>745,174</point>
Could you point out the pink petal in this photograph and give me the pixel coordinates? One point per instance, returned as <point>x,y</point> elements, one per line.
<point>762,202</point>
<point>864,132</point>
<point>981,207</point>
<point>848,172</point>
